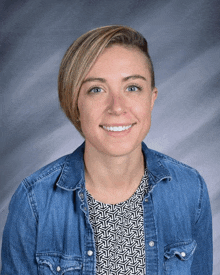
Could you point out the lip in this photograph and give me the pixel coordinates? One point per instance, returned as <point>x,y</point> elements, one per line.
<point>116,124</point>
<point>117,133</point>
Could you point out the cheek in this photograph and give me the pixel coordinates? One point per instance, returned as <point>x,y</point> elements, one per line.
<point>142,110</point>
<point>89,115</point>
<point>83,107</point>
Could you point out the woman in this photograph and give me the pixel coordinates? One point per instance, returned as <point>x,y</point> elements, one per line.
<point>113,206</point>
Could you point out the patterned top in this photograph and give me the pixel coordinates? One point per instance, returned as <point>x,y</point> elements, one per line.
<point>119,233</point>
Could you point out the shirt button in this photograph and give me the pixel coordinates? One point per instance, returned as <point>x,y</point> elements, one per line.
<point>151,243</point>
<point>81,195</point>
<point>58,269</point>
<point>90,253</point>
<point>85,208</point>
<point>183,254</point>
<point>146,200</point>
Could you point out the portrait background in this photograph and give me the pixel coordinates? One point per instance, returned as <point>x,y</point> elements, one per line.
<point>184,43</point>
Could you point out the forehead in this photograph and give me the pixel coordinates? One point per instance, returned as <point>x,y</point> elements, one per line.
<point>117,51</point>
<point>119,58</point>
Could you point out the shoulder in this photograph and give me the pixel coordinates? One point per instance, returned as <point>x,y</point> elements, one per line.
<point>181,180</point>
<point>50,170</point>
<point>177,175</point>
<point>35,190</point>
<point>65,173</point>
<point>41,180</point>
<point>174,166</point>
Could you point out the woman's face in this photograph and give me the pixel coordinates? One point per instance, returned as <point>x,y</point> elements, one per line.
<point>116,100</point>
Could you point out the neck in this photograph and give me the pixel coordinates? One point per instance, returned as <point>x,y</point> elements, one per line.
<point>112,179</point>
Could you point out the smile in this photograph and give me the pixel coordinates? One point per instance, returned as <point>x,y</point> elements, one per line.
<point>116,128</point>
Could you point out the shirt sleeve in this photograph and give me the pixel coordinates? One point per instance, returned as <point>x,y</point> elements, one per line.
<point>19,237</point>
<point>203,257</point>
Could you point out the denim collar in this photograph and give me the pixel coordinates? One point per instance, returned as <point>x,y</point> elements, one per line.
<point>72,176</point>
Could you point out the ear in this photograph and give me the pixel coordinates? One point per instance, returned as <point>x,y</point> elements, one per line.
<point>154,93</point>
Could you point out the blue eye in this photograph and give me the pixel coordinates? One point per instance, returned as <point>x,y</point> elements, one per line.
<point>134,88</point>
<point>95,90</point>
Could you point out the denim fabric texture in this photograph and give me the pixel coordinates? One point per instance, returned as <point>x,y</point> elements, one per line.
<point>48,229</point>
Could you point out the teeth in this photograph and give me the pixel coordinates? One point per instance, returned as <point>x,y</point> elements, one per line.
<point>117,128</point>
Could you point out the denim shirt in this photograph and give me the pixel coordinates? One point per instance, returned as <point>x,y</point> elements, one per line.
<point>48,229</point>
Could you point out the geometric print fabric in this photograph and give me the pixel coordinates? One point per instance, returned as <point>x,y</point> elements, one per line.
<point>119,233</point>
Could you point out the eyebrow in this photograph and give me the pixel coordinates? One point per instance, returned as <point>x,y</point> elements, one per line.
<point>135,76</point>
<point>92,79</point>
<point>103,80</point>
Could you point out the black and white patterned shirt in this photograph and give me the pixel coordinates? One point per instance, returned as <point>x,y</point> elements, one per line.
<point>119,233</point>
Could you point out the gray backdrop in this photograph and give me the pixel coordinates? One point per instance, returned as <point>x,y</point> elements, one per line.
<point>184,41</point>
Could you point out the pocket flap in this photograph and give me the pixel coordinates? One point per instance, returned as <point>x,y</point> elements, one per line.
<point>183,250</point>
<point>59,263</point>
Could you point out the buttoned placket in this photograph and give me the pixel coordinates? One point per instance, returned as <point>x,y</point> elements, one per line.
<point>89,258</point>
<point>151,238</point>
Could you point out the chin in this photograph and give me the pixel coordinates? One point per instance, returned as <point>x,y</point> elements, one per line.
<point>121,149</point>
<point>114,146</point>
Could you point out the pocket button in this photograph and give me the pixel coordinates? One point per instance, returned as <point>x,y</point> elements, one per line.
<point>183,254</point>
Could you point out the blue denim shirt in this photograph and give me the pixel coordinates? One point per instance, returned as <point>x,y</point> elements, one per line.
<point>48,229</point>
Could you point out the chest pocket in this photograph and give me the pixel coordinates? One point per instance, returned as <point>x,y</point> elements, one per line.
<point>51,263</point>
<point>178,258</point>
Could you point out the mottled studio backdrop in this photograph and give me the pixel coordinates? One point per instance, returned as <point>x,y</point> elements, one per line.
<point>184,42</point>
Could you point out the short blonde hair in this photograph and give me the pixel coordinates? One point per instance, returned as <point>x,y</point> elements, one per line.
<point>82,54</point>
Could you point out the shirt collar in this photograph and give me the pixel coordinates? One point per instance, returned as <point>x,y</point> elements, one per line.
<point>72,176</point>
<point>156,170</point>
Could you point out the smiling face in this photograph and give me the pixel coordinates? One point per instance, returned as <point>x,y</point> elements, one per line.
<point>116,100</point>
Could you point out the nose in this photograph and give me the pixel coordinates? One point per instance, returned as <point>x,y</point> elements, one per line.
<point>116,105</point>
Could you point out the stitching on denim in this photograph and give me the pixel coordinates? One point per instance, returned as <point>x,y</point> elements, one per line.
<point>178,244</point>
<point>58,255</point>
<point>201,191</point>
<point>65,268</point>
<point>30,192</point>
<point>29,184</point>
<point>49,172</point>
<point>47,263</point>
<point>67,187</point>
<point>71,188</point>
<point>31,199</point>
